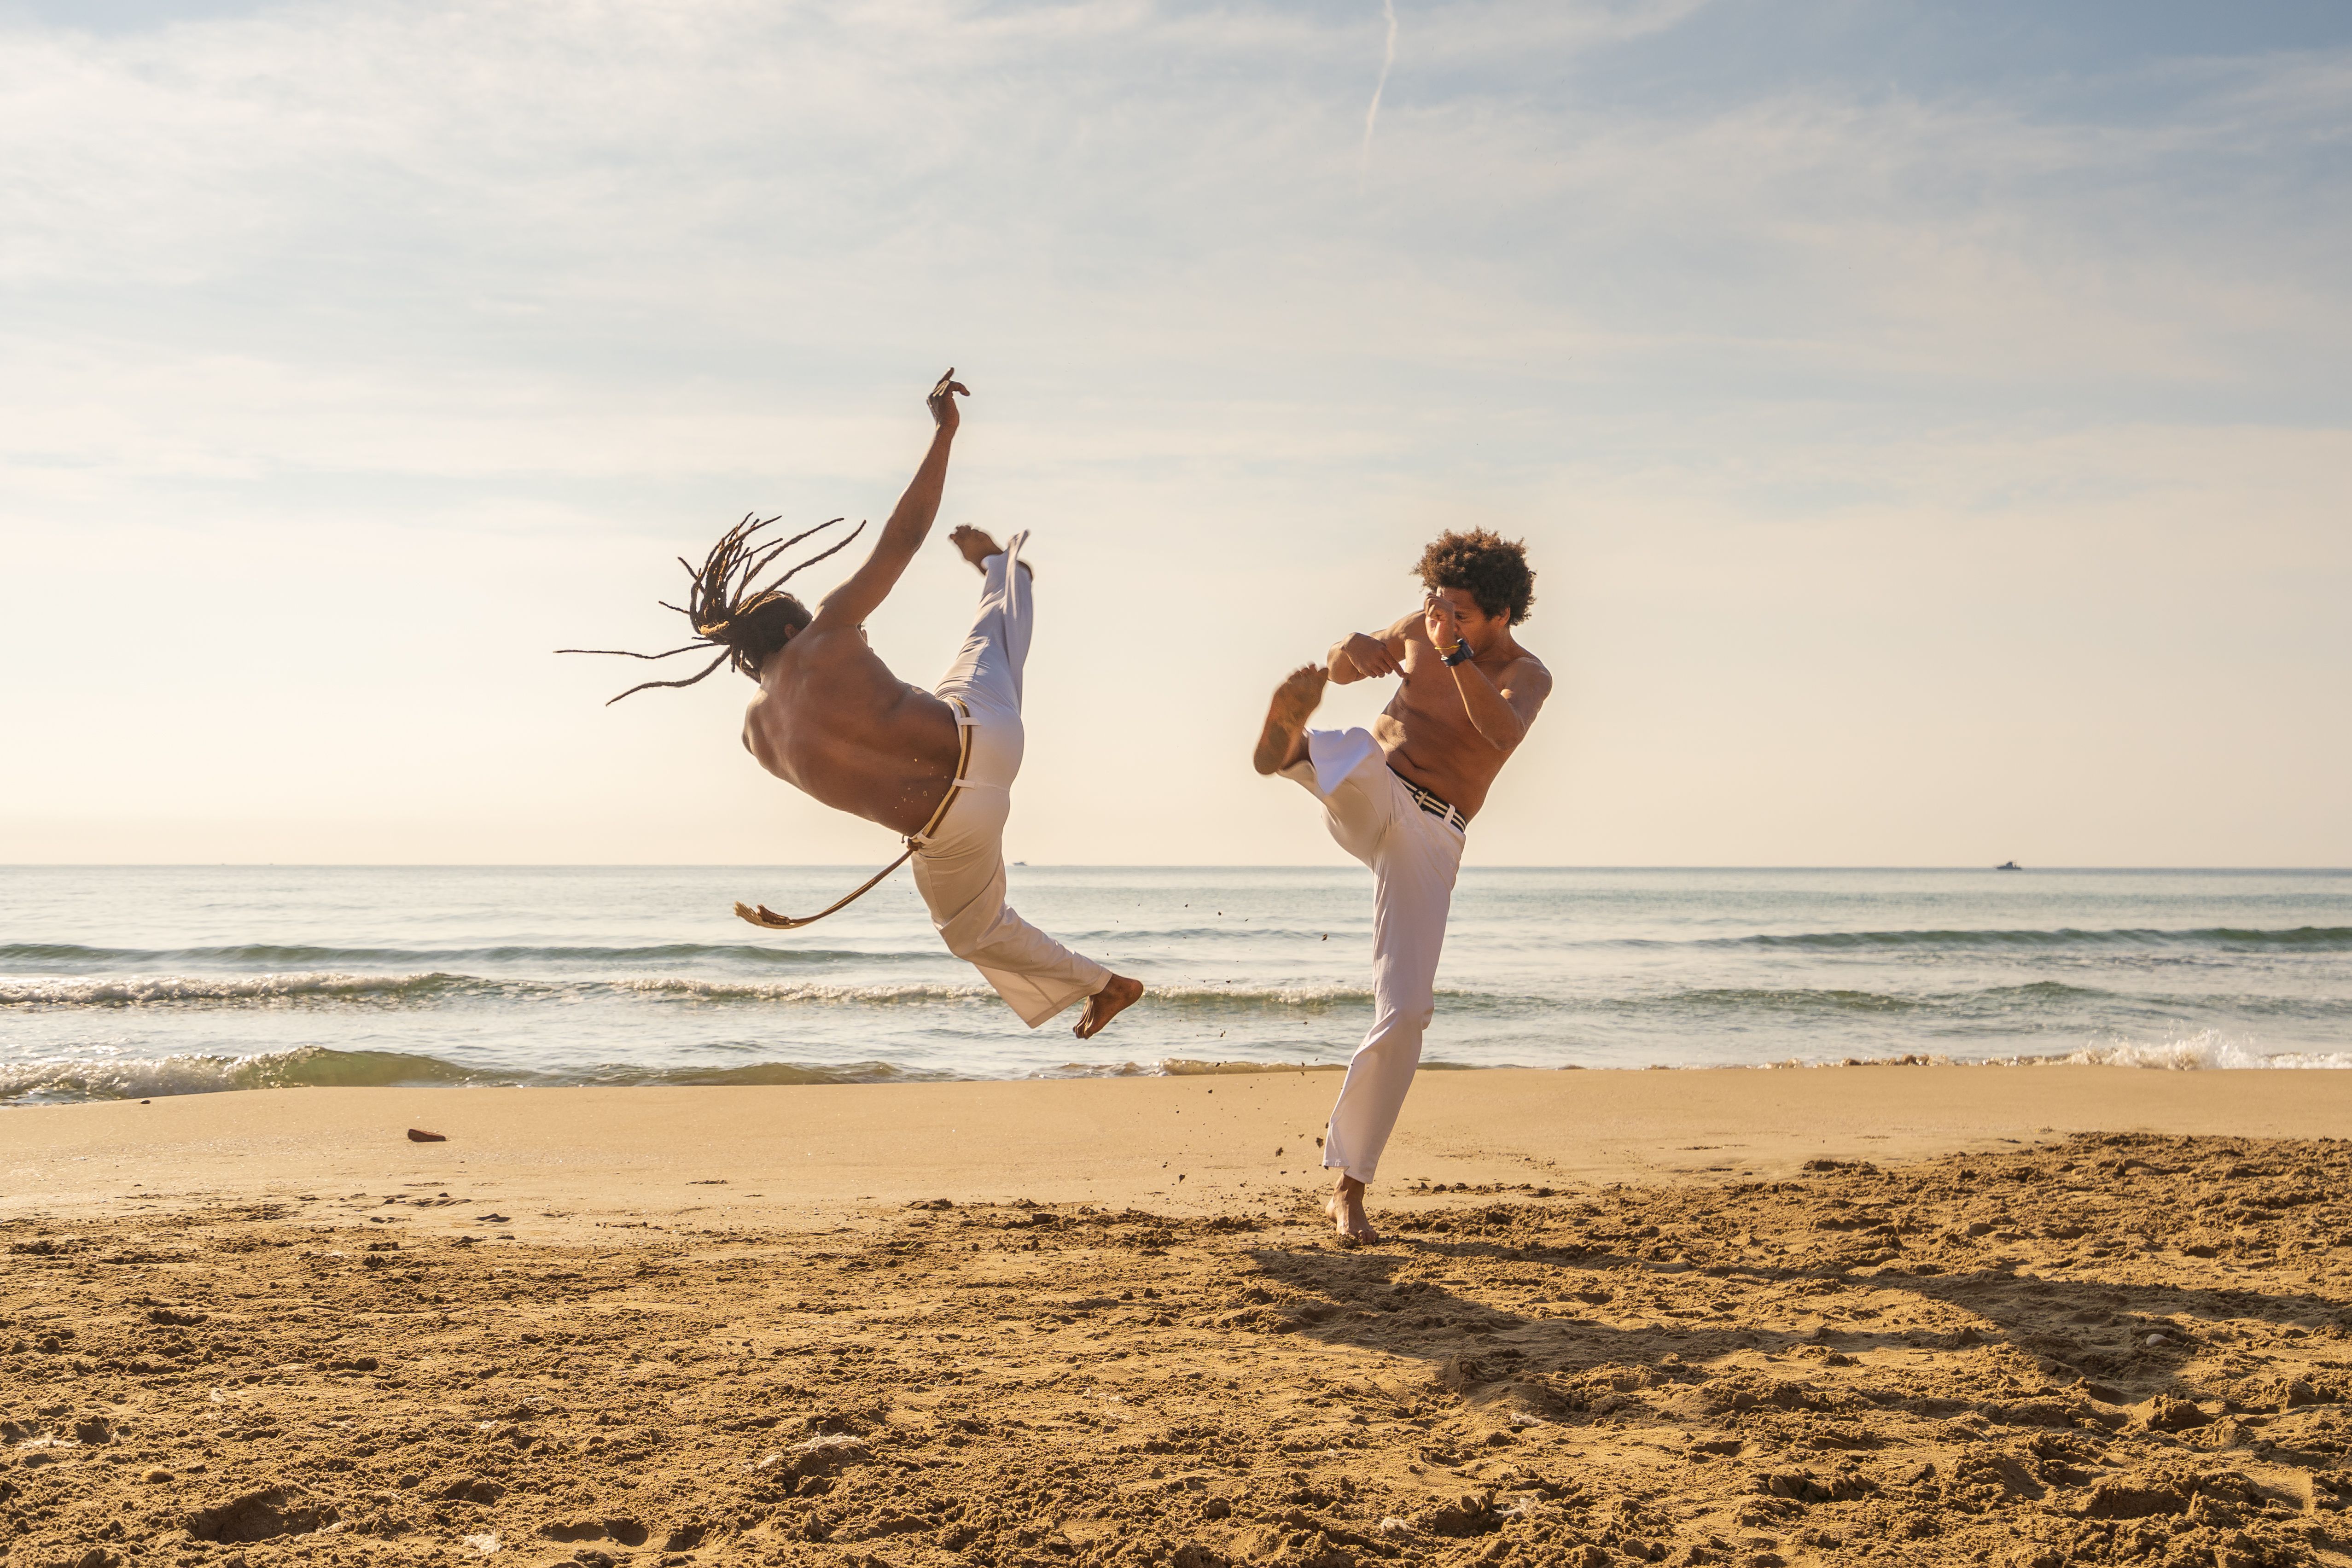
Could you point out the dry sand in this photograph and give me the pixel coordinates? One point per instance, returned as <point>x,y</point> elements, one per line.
<point>2030,1316</point>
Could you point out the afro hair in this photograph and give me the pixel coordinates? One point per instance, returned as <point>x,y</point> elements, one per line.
<point>1493,569</point>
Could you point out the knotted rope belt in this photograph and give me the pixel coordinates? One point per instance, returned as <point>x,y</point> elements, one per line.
<point>764,916</point>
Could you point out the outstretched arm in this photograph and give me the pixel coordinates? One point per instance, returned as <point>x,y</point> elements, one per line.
<point>1360,656</point>
<point>909,525</point>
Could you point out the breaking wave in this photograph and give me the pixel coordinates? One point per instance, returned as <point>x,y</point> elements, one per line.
<point>165,981</point>
<point>139,1080</point>
<point>1201,999</point>
<point>318,1067</point>
<point>251,990</point>
<point>70,956</point>
<point>148,990</point>
<point>321,1067</point>
<point>2323,939</point>
<point>275,956</point>
<point>1181,1067</point>
<point>2208,1050</point>
<point>2205,1050</point>
<point>57,1081</point>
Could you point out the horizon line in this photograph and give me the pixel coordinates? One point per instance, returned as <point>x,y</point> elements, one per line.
<point>1073,865</point>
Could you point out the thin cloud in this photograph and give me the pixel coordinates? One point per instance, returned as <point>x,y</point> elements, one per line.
<point>289,301</point>
<point>1372,114</point>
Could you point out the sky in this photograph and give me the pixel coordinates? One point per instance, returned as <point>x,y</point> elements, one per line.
<point>1928,422</point>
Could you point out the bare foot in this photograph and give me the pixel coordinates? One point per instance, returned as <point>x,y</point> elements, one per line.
<point>975,545</point>
<point>1346,1207</point>
<point>1107,1003</point>
<point>1284,739</point>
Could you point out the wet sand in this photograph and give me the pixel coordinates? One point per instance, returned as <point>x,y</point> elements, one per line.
<point>1928,1315</point>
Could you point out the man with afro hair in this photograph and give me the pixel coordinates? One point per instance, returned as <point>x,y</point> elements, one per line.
<point>1399,798</point>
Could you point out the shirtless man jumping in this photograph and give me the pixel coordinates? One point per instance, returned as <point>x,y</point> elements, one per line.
<point>935,766</point>
<point>1399,796</point>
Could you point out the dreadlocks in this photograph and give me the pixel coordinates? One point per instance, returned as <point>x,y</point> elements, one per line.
<point>728,609</point>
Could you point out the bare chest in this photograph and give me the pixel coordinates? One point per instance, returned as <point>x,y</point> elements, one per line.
<point>1428,703</point>
<point>1431,738</point>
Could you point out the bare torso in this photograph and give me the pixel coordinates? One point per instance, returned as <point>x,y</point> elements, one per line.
<point>1426,728</point>
<point>832,721</point>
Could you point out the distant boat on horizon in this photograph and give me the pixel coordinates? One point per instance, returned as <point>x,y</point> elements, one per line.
<point>2009,866</point>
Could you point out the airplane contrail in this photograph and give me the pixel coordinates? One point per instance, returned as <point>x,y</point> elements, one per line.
<point>1372,114</point>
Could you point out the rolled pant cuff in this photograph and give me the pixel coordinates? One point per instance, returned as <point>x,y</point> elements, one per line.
<point>1036,1003</point>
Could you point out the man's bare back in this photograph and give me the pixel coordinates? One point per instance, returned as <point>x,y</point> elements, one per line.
<point>830,718</point>
<point>832,721</point>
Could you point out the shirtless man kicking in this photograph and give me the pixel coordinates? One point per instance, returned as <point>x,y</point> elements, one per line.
<point>1398,798</point>
<point>934,767</point>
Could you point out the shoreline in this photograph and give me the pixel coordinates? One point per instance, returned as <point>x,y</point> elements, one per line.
<point>52,1082</point>
<point>791,1154</point>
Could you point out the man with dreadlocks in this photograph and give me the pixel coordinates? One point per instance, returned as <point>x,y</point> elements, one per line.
<point>935,766</point>
<point>1398,798</point>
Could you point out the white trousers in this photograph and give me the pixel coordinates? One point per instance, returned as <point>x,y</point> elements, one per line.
<point>1414,857</point>
<point>960,868</point>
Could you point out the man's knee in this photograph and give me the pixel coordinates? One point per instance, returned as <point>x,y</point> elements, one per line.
<point>970,943</point>
<point>1003,940</point>
<point>1398,1035</point>
<point>1410,1019</point>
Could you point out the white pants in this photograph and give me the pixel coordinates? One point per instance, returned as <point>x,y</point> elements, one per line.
<point>960,868</point>
<point>1414,857</point>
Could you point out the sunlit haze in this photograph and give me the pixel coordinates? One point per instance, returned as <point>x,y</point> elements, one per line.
<point>1928,422</point>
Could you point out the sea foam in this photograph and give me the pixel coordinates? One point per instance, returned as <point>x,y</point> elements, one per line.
<point>2207,1049</point>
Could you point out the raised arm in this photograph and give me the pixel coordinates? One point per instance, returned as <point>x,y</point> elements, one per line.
<point>1360,656</point>
<point>909,525</point>
<point>1500,710</point>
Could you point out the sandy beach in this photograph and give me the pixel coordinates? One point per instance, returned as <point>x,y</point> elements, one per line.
<point>2025,1316</point>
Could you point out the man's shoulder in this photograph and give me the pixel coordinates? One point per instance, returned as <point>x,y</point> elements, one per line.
<point>818,643</point>
<point>786,674</point>
<point>1527,664</point>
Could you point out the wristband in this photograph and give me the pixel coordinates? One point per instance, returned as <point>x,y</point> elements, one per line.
<point>1460,652</point>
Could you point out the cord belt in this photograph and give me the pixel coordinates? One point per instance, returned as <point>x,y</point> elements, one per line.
<point>764,916</point>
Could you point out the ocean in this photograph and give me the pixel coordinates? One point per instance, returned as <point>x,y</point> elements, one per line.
<point>146,981</point>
